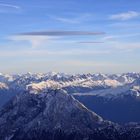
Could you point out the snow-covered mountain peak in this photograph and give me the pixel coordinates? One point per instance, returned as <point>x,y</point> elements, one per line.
<point>42,86</point>
<point>3,86</point>
<point>41,82</point>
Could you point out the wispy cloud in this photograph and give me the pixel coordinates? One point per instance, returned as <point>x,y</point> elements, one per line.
<point>35,41</point>
<point>8,8</point>
<point>90,42</point>
<point>62,33</point>
<point>75,20</point>
<point>66,20</point>
<point>9,5</point>
<point>115,37</point>
<point>125,16</point>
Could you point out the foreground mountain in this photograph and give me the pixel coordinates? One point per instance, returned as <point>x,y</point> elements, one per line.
<point>30,116</point>
<point>56,115</point>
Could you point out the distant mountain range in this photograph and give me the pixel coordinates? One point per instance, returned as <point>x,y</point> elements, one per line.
<point>105,92</point>
<point>72,83</point>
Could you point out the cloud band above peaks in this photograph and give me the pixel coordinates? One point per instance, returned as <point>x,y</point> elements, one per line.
<point>62,33</point>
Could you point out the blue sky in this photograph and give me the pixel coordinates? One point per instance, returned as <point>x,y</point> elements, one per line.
<point>114,49</point>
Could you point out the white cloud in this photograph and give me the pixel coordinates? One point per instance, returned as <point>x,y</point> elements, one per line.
<point>121,43</point>
<point>115,37</point>
<point>35,41</point>
<point>9,5</point>
<point>66,20</point>
<point>74,20</point>
<point>43,38</point>
<point>125,16</point>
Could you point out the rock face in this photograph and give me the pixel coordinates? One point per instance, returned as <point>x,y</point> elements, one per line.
<point>29,116</point>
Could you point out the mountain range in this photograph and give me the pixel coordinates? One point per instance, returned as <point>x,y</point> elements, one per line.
<point>61,106</point>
